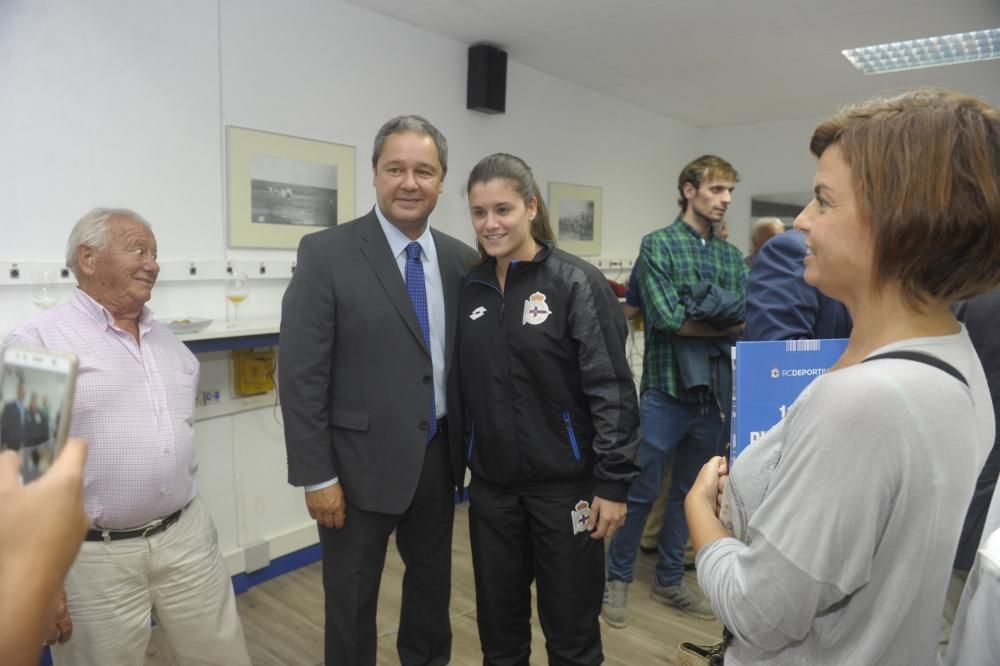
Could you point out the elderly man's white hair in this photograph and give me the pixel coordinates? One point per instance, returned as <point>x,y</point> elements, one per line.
<point>92,230</point>
<point>773,222</point>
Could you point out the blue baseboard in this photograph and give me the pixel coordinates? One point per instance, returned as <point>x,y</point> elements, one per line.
<point>290,562</point>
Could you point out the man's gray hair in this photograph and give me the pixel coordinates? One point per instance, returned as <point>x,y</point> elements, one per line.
<point>92,230</point>
<point>411,123</point>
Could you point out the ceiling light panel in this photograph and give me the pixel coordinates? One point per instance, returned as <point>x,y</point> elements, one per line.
<point>926,52</point>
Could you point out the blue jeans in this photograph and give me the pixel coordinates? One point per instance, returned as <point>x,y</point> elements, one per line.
<point>690,434</point>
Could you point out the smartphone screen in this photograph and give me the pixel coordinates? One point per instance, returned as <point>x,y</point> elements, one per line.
<point>36,393</point>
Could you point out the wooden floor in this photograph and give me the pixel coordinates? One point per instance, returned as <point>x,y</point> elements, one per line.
<point>283,618</point>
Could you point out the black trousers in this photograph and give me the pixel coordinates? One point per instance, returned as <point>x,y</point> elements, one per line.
<point>517,539</point>
<point>353,559</point>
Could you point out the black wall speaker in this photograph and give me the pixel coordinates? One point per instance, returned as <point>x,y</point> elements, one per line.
<point>487,85</point>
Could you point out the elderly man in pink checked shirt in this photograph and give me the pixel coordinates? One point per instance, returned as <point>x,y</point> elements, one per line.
<point>151,548</point>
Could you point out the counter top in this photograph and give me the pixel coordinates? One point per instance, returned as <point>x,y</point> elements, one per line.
<point>222,329</point>
<point>222,335</point>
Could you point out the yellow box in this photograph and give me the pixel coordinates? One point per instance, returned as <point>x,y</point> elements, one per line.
<point>253,371</point>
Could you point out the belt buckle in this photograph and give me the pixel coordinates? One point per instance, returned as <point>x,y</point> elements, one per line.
<point>151,529</point>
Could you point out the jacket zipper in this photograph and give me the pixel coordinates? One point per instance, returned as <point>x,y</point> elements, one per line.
<point>572,434</point>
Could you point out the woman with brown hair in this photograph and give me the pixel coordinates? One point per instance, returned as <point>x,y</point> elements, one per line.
<point>839,526</point>
<point>552,423</point>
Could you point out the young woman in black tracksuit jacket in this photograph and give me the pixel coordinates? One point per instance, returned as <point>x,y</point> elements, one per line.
<point>551,423</point>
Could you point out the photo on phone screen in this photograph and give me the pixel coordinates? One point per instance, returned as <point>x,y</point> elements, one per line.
<point>36,393</point>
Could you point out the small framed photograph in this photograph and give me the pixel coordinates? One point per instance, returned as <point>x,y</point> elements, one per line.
<point>575,215</point>
<point>284,187</point>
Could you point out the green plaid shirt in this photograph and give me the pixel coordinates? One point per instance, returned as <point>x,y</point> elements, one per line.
<point>669,259</point>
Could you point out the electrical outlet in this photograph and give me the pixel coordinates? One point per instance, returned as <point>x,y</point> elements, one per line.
<point>615,262</point>
<point>210,396</point>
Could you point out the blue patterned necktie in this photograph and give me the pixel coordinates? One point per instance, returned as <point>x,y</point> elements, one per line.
<point>418,295</point>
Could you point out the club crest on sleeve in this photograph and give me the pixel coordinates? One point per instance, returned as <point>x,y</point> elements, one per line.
<point>477,313</point>
<point>536,310</point>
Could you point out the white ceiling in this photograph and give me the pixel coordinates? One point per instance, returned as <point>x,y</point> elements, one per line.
<point>713,63</point>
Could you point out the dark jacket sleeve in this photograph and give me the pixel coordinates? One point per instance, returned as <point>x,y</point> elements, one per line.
<point>305,354</point>
<point>981,316</point>
<point>598,326</point>
<point>780,305</point>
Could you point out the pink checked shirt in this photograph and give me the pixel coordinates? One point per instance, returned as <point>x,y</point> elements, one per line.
<point>134,405</point>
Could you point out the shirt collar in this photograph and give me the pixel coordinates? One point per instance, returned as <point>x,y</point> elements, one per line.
<point>694,232</point>
<point>100,315</point>
<point>398,240</point>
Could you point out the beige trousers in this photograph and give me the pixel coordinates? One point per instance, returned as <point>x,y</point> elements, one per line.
<point>176,576</point>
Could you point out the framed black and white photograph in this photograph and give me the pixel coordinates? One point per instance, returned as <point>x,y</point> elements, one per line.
<point>284,187</point>
<point>575,215</point>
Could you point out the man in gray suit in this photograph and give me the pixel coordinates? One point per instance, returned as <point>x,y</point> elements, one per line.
<point>367,389</point>
<point>14,420</point>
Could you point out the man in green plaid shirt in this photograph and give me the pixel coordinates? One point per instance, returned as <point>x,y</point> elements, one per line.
<point>677,423</point>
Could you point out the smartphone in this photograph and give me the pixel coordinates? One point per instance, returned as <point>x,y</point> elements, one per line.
<point>36,394</point>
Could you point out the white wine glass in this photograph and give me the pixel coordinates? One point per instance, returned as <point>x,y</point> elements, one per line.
<point>237,290</point>
<point>43,289</point>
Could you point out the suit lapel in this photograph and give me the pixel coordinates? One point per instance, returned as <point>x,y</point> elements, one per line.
<point>375,249</point>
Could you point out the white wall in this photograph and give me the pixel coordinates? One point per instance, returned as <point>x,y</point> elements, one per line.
<point>112,103</point>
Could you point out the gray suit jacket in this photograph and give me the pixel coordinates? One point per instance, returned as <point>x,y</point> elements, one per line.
<point>354,373</point>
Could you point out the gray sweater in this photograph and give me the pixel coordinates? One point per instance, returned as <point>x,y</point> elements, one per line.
<point>847,513</point>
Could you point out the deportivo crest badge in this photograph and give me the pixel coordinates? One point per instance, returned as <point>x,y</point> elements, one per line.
<point>536,310</point>
<point>580,514</point>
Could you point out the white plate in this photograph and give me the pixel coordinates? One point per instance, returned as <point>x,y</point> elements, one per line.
<point>187,324</point>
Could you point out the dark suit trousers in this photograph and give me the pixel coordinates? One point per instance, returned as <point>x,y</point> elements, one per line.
<point>353,559</point>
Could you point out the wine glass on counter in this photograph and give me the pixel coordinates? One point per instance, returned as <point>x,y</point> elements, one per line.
<point>43,289</point>
<point>237,290</point>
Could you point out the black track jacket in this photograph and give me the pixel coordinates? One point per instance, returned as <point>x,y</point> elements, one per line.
<point>549,399</point>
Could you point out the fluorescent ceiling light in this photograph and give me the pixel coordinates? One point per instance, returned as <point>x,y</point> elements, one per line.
<point>927,52</point>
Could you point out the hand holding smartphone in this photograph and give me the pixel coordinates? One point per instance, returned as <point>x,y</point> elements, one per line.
<point>36,394</point>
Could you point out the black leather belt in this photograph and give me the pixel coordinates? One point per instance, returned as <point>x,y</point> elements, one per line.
<point>115,535</point>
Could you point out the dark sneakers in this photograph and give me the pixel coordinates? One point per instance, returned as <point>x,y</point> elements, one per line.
<point>685,598</point>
